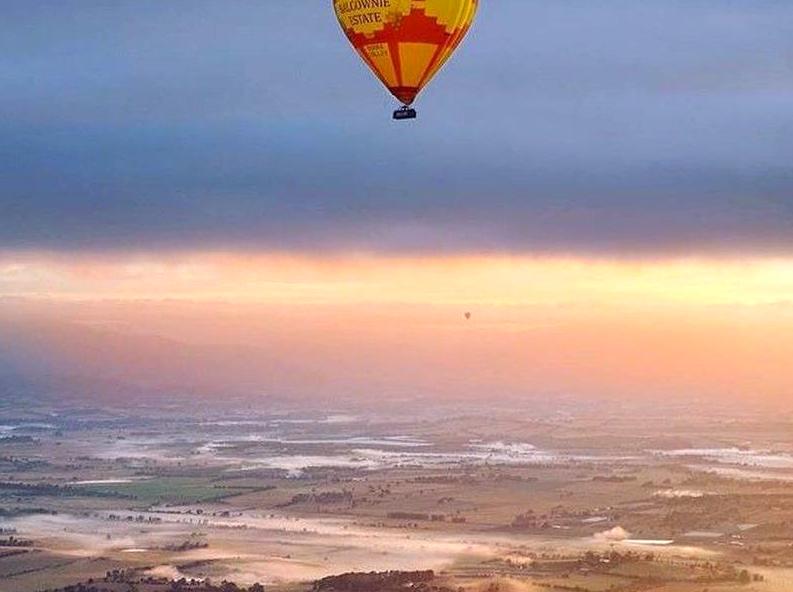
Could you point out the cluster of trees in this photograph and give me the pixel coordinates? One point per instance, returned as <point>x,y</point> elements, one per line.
<point>135,584</point>
<point>20,464</point>
<point>447,479</point>
<point>706,572</point>
<point>17,512</point>
<point>388,581</point>
<point>614,558</point>
<point>744,577</point>
<point>614,478</point>
<point>184,585</point>
<point>325,497</point>
<point>18,440</point>
<point>188,545</point>
<point>140,518</point>
<point>556,516</point>
<point>412,516</point>
<point>13,541</point>
<point>50,490</point>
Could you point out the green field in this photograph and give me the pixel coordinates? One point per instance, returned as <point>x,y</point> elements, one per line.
<point>167,490</point>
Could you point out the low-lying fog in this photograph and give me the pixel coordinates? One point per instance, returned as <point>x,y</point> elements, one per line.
<point>262,547</point>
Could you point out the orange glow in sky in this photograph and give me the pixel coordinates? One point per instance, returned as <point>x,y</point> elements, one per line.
<point>358,323</point>
<point>493,280</point>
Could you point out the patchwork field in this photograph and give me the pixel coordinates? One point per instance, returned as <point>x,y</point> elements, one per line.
<point>487,500</point>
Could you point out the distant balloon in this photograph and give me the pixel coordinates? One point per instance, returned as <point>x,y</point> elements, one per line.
<point>468,316</point>
<point>405,42</point>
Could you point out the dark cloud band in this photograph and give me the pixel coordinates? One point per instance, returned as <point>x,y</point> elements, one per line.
<point>624,127</point>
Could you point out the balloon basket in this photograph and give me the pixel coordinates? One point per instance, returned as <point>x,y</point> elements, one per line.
<point>404,113</point>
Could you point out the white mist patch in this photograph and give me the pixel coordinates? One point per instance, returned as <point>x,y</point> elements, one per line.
<point>680,494</point>
<point>381,457</point>
<point>613,535</point>
<point>88,536</point>
<point>649,542</point>
<point>745,474</point>
<point>356,441</point>
<point>328,420</point>
<point>169,572</point>
<point>734,456</point>
<point>21,427</point>
<point>296,465</point>
<point>492,453</point>
<point>119,481</point>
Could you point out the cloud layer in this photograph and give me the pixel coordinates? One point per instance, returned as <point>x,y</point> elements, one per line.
<point>619,127</point>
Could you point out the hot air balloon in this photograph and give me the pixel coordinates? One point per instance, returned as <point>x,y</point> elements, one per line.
<point>405,42</point>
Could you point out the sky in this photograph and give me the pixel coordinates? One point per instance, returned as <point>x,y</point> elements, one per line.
<point>614,162</point>
<point>608,127</point>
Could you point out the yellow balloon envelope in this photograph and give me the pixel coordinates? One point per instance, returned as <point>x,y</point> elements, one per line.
<point>405,42</point>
